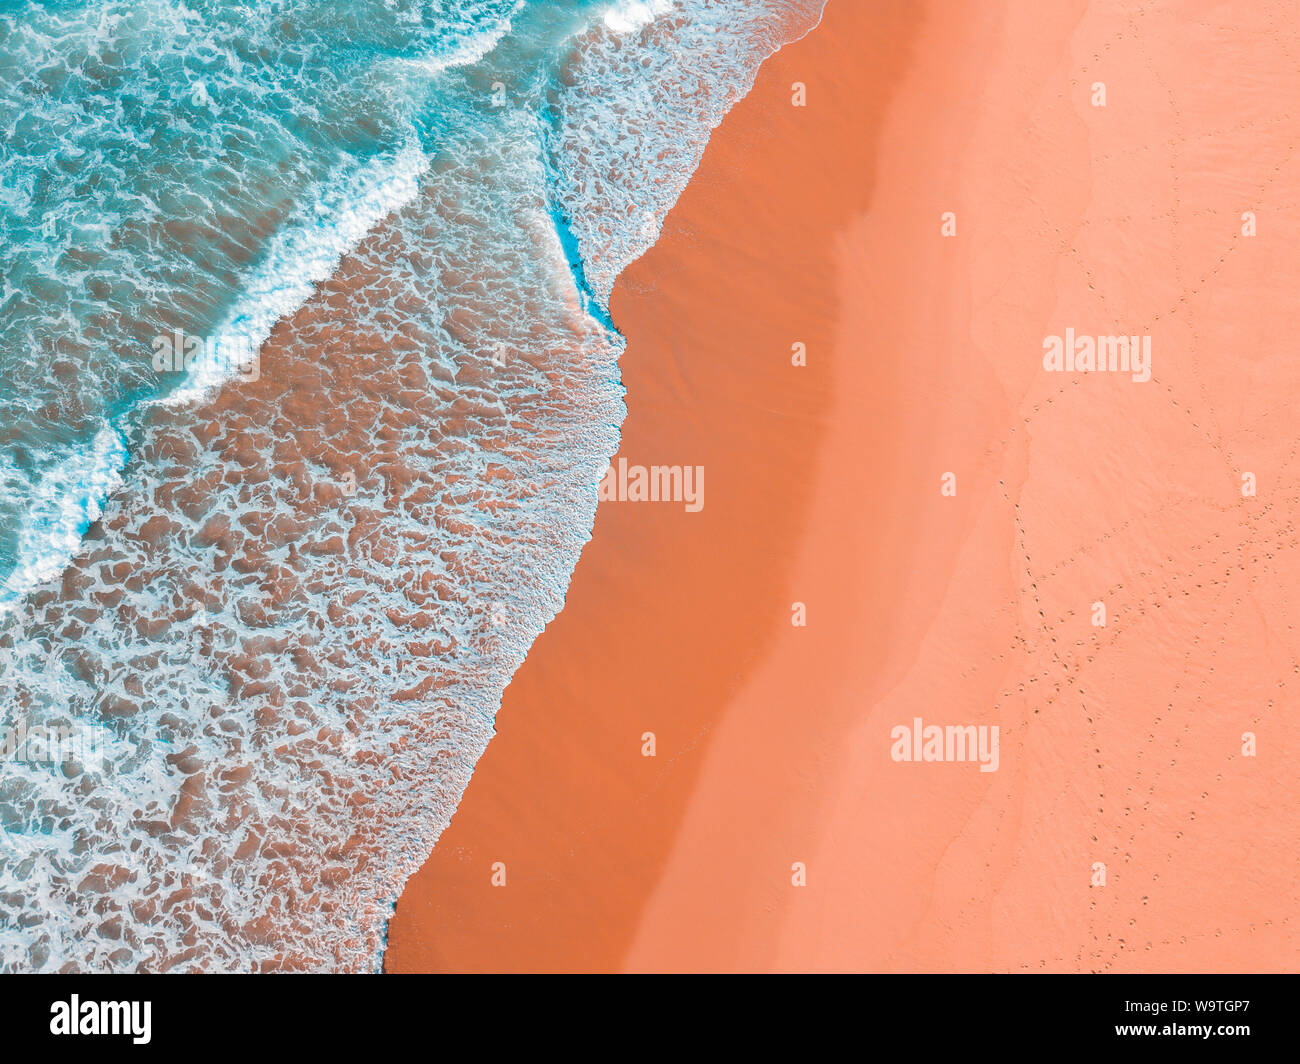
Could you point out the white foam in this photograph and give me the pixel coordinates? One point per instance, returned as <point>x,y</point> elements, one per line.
<point>468,52</point>
<point>69,497</point>
<point>64,503</point>
<point>625,16</point>
<point>351,202</point>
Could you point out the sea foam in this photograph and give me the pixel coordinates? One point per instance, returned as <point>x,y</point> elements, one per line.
<point>63,504</point>
<point>286,636</point>
<point>352,201</point>
<point>628,15</point>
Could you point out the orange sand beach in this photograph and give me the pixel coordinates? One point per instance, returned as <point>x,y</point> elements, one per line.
<point>924,523</point>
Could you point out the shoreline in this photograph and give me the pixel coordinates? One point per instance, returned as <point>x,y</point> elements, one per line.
<point>672,376</point>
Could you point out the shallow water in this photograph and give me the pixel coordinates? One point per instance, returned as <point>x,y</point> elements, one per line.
<point>267,595</point>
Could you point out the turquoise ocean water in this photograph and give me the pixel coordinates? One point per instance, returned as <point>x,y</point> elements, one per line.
<point>258,605</point>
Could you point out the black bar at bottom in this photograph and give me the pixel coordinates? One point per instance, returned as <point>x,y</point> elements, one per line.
<point>337,1014</point>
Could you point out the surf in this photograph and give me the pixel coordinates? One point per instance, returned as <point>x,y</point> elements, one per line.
<point>286,606</point>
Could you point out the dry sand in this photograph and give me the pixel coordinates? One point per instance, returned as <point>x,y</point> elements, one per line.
<point>1119,744</point>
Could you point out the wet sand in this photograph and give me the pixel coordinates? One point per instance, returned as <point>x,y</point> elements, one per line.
<point>1120,745</point>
